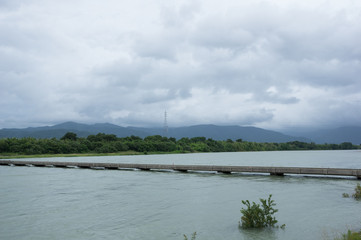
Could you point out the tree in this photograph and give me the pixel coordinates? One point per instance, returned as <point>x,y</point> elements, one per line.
<point>259,216</point>
<point>346,145</point>
<point>4,146</point>
<point>69,136</point>
<point>110,137</point>
<point>155,138</point>
<point>100,137</point>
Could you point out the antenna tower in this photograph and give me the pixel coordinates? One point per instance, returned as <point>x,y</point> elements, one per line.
<point>165,124</point>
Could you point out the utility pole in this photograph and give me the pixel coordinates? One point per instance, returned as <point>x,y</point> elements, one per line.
<point>165,133</point>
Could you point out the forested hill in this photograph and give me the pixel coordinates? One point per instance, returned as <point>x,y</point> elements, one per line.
<point>251,134</point>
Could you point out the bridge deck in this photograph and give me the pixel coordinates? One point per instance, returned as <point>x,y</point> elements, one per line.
<point>280,171</point>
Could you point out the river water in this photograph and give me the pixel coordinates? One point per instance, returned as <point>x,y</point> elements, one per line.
<point>54,203</point>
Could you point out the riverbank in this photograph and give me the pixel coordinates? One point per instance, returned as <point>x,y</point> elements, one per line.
<point>17,156</point>
<point>125,153</point>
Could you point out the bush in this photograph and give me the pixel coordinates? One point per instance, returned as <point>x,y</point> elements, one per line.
<point>259,216</point>
<point>345,195</point>
<point>357,194</point>
<point>193,236</point>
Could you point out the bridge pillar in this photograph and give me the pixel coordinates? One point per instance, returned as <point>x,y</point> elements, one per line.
<point>144,169</point>
<point>82,166</point>
<point>60,165</point>
<point>112,168</point>
<point>38,165</point>
<point>277,174</point>
<point>20,164</point>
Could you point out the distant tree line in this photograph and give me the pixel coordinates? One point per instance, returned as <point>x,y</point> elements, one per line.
<point>110,143</point>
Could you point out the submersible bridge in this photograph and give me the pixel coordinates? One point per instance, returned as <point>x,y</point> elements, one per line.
<point>277,171</point>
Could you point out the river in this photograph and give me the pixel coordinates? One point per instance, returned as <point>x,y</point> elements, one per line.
<point>55,203</point>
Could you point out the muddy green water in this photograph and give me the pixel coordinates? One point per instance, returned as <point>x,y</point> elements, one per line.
<point>52,203</point>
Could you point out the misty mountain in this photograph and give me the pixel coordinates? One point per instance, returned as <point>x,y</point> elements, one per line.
<point>251,134</point>
<point>209,131</point>
<point>337,135</point>
<point>82,130</point>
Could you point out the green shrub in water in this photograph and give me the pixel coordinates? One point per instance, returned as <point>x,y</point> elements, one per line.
<point>193,236</point>
<point>350,236</point>
<point>357,193</point>
<point>259,215</point>
<point>345,195</point>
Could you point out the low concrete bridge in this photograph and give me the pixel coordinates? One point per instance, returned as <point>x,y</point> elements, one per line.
<point>278,171</point>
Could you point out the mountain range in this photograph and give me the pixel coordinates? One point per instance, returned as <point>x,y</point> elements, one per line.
<point>252,134</point>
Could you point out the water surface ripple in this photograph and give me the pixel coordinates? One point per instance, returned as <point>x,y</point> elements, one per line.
<point>53,203</point>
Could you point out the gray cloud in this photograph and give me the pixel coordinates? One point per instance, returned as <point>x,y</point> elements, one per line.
<point>269,64</point>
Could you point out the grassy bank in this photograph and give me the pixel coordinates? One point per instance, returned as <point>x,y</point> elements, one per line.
<point>14,155</point>
<point>124,153</point>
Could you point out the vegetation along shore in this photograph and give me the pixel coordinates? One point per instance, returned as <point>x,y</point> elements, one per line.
<point>110,144</point>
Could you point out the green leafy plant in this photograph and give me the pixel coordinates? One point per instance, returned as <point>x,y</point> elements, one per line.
<point>356,194</point>
<point>350,235</point>
<point>259,215</point>
<point>345,195</point>
<point>193,236</point>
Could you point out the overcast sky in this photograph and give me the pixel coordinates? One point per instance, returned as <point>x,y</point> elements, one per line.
<point>275,64</point>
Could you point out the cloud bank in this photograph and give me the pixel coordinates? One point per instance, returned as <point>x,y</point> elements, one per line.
<point>272,64</point>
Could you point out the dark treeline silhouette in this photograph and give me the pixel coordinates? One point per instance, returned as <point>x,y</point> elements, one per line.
<point>110,143</point>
